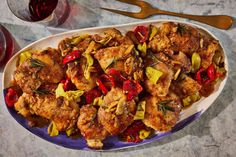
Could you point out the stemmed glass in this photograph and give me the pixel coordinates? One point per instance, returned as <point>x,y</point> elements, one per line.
<point>48,12</point>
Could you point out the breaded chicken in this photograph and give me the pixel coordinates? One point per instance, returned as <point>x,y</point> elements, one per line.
<point>162,113</point>
<point>75,72</point>
<point>117,38</point>
<point>179,60</point>
<point>90,128</point>
<point>186,86</point>
<point>59,110</point>
<point>177,37</point>
<point>207,53</point>
<point>112,37</point>
<point>116,114</point>
<point>161,88</point>
<point>109,55</point>
<point>43,68</point>
<point>133,67</point>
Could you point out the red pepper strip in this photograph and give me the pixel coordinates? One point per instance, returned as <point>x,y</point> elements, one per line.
<point>132,89</point>
<point>11,97</point>
<point>105,79</point>
<point>131,134</point>
<point>68,85</point>
<point>119,79</point>
<point>211,72</point>
<point>141,33</point>
<point>91,95</point>
<point>211,75</point>
<point>102,86</point>
<point>71,56</point>
<point>198,76</point>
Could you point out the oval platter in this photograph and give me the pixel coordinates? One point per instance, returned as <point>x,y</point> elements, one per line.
<point>111,143</point>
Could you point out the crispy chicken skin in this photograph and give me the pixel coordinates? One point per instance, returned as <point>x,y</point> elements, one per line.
<point>59,110</point>
<point>90,128</point>
<point>30,77</point>
<point>116,114</point>
<point>158,119</point>
<point>161,88</point>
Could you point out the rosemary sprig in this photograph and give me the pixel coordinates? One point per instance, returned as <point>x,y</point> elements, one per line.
<point>92,120</point>
<point>163,106</point>
<point>181,29</point>
<point>41,91</point>
<point>36,63</point>
<point>153,58</point>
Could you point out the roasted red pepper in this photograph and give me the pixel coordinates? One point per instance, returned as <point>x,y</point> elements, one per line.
<point>91,95</point>
<point>199,76</point>
<point>11,97</point>
<point>72,56</point>
<point>131,134</point>
<point>206,76</point>
<point>105,82</point>
<point>118,77</point>
<point>68,85</point>
<point>132,89</point>
<point>141,33</point>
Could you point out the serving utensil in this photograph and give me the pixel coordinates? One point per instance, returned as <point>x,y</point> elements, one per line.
<point>218,21</point>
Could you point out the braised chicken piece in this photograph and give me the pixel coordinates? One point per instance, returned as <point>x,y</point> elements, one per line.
<point>161,88</point>
<point>133,68</point>
<point>116,114</point>
<point>90,128</point>
<point>42,68</point>
<point>159,43</point>
<point>109,55</point>
<point>177,37</point>
<point>75,71</point>
<point>162,113</point>
<point>62,112</point>
<point>118,53</point>
<point>175,60</point>
<point>112,37</point>
<point>186,86</point>
<point>80,43</point>
<point>208,52</point>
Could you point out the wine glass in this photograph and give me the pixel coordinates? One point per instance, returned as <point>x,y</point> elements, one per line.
<point>48,12</point>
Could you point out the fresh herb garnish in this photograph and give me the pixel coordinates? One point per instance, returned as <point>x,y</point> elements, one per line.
<point>163,106</point>
<point>41,91</point>
<point>92,120</point>
<point>36,63</point>
<point>153,58</point>
<point>181,29</point>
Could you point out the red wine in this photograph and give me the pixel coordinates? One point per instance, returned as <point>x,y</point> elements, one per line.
<point>41,9</point>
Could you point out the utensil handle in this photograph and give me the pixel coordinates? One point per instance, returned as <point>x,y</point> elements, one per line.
<point>218,21</point>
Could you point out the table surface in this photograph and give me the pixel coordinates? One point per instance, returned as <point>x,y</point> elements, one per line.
<point>213,134</point>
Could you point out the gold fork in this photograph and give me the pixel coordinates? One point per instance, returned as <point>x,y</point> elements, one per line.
<point>218,21</point>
